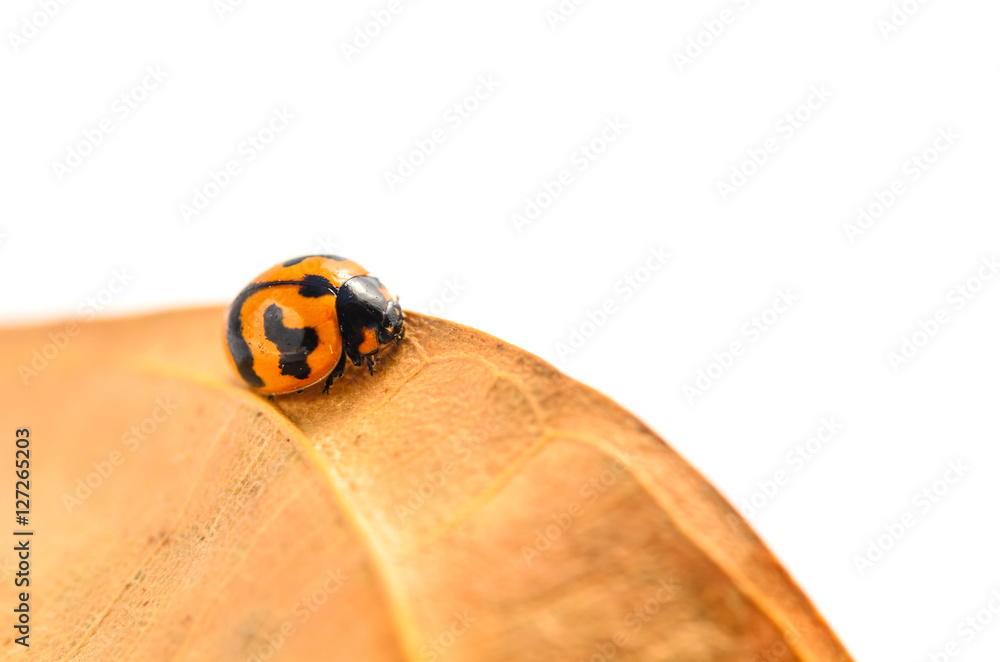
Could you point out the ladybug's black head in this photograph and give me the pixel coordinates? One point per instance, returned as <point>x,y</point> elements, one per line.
<point>369,317</point>
<point>391,329</point>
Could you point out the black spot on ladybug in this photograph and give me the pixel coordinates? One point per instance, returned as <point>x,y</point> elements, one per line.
<point>314,286</point>
<point>296,260</point>
<point>295,345</point>
<point>238,347</point>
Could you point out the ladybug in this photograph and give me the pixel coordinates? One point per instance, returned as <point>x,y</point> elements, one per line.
<point>300,321</point>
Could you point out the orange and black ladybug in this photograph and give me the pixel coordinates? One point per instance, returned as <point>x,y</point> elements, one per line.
<point>299,322</point>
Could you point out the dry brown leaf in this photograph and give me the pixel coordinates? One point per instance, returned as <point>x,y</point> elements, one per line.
<point>467,503</point>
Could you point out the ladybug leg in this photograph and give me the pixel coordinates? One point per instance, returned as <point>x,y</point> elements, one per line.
<point>370,361</point>
<point>338,371</point>
<point>270,398</point>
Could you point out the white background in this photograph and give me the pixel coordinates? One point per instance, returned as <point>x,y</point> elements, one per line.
<point>320,186</point>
